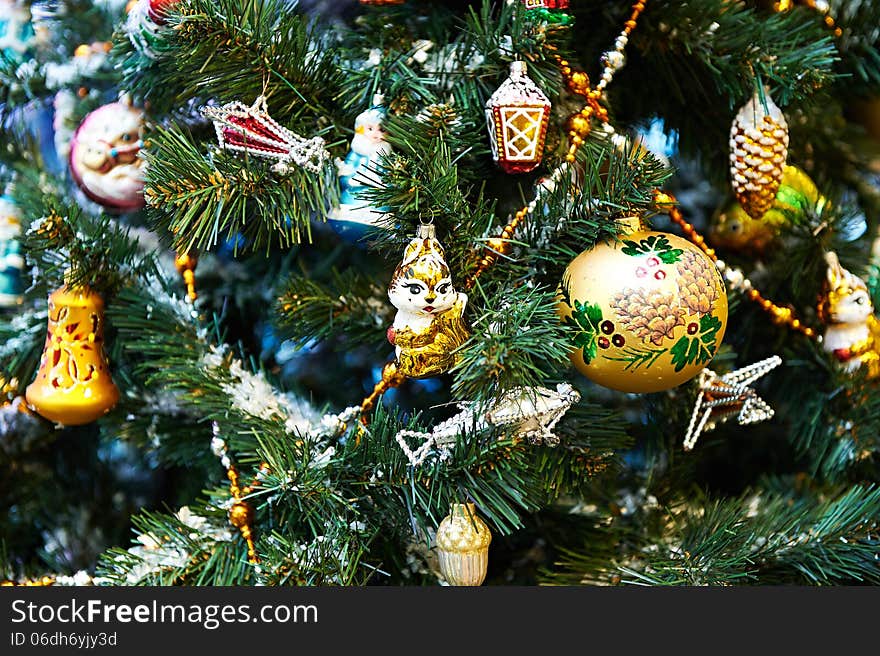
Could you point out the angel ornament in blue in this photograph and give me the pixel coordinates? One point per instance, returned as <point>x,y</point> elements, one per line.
<point>361,169</point>
<point>11,260</point>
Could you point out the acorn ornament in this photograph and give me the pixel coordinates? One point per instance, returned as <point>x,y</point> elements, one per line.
<point>73,385</point>
<point>463,546</point>
<point>646,313</point>
<point>758,151</point>
<point>517,115</point>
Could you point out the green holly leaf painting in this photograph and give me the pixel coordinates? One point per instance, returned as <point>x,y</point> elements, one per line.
<point>698,349</point>
<point>670,256</point>
<point>632,248</point>
<point>679,353</point>
<point>709,327</point>
<point>585,319</point>
<point>655,244</point>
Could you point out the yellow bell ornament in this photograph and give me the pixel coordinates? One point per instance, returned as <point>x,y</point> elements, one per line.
<point>73,385</point>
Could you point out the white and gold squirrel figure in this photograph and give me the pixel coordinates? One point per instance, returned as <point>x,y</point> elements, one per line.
<point>852,331</point>
<point>429,325</point>
<point>11,260</point>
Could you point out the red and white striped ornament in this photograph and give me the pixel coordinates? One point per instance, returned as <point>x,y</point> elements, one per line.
<point>251,130</point>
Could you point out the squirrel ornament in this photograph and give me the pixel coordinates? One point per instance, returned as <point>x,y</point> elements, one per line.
<point>429,325</point>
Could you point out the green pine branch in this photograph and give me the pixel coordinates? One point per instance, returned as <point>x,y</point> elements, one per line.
<point>238,50</point>
<point>350,304</point>
<point>767,537</point>
<point>515,341</point>
<point>201,200</point>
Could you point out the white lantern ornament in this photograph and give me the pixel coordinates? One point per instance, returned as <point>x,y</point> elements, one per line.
<point>517,115</point>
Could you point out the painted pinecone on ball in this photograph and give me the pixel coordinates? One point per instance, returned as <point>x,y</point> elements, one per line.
<point>696,284</point>
<point>758,151</point>
<point>650,315</point>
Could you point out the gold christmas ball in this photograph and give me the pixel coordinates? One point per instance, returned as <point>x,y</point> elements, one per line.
<point>645,314</point>
<point>733,229</point>
<point>463,546</point>
<point>241,514</point>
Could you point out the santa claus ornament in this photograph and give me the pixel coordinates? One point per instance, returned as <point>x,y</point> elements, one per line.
<point>104,158</point>
<point>355,216</point>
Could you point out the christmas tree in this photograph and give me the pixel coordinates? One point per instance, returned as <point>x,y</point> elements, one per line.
<point>412,292</point>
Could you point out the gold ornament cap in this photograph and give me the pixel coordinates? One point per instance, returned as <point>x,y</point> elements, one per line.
<point>462,530</point>
<point>426,231</point>
<point>73,385</point>
<point>463,546</point>
<point>518,68</point>
<point>241,514</point>
<point>630,224</point>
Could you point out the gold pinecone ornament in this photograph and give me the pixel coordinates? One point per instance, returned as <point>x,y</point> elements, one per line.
<point>463,546</point>
<point>758,150</point>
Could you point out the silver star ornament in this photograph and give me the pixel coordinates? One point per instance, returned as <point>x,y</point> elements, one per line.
<point>722,397</point>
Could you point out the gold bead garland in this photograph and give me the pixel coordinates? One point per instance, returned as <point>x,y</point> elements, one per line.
<point>42,582</point>
<point>391,378</point>
<point>186,263</point>
<point>821,6</point>
<point>241,512</point>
